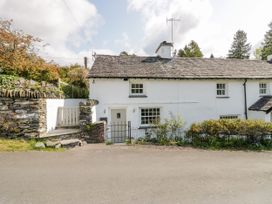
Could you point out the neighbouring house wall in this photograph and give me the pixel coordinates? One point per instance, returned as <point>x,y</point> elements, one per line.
<point>194,100</point>
<point>29,115</point>
<point>52,106</point>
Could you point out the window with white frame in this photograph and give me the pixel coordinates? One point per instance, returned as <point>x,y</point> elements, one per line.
<point>150,116</point>
<point>228,116</point>
<point>136,89</point>
<point>221,89</point>
<point>263,88</point>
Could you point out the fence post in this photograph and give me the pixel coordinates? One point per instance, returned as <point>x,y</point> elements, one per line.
<point>129,131</point>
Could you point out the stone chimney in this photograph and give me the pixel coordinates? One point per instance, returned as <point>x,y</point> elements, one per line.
<point>269,59</point>
<point>165,50</point>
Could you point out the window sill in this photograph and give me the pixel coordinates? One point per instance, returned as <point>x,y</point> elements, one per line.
<point>222,97</point>
<point>146,127</point>
<point>137,96</point>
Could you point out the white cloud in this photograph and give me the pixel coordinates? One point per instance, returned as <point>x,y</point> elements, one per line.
<point>155,12</point>
<point>66,25</point>
<point>211,23</point>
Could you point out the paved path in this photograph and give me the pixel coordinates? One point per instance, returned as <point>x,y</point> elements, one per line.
<point>122,174</point>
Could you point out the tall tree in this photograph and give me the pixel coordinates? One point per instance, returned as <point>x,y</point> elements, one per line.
<point>258,53</point>
<point>267,44</point>
<point>240,48</point>
<point>18,55</point>
<point>190,50</point>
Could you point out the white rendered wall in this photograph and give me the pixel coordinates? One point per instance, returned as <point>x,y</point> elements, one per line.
<point>52,106</point>
<point>194,100</point>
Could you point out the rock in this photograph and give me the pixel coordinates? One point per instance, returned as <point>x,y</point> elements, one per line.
<point>39,145</point>
<point>51,144</point>
<point>58,146</point>
<point>3,108</point>
<point>71,143</point>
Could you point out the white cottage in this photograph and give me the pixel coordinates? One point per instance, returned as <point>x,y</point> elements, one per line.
<point>142,89</point>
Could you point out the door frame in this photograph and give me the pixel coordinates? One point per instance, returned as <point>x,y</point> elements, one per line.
<point>111,123</point>
<point>116,108</point>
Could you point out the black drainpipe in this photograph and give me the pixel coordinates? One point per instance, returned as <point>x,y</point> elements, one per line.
<point>245,97</point>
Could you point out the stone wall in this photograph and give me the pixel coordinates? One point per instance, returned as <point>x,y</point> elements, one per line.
<point>91,132</point>
<point>94,132</point>
<point>22,117</point>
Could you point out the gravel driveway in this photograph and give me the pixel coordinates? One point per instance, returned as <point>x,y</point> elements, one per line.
<point>140,174</point>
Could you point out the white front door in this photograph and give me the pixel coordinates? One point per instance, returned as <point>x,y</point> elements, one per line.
<point>118,125</point>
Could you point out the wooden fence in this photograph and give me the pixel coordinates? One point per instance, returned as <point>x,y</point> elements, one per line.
<point>68,116</point>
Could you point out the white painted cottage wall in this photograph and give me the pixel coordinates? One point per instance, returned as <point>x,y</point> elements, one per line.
<point>52,106</point>
<point>194,100</point>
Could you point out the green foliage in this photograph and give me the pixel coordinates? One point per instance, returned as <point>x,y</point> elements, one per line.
<point>14,145</point>
<point>240,49</point>
<point>108,142</point>
<point>258,53</point>
<point>18,55</point>
<point>71,91</point>
<point>267,44</point>
<point>231,134</point>
<point>75,75</point>
<point>164,133</point>
<point>15,83</point>
<point>190,50</point>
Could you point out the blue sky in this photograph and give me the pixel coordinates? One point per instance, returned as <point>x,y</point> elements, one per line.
<point>77,28</point>
<point>117,21</point>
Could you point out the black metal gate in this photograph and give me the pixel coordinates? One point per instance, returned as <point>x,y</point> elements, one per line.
<point>119,132</point>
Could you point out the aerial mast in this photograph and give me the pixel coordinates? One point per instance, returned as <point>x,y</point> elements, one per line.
<point>172,21</point>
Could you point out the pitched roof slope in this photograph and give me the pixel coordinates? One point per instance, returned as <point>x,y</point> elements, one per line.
<point>106,66</point>
<point>263,104</point>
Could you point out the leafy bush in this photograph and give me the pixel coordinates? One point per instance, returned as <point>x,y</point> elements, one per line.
<point>231,134</point>
<point>163,133</point>
<point>71,91</point>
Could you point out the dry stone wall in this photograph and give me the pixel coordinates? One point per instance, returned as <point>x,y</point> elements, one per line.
<point>22,117</point>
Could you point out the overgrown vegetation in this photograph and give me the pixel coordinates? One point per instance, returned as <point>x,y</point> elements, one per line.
<point>167,133</point>
<point>19,59</point>
<point>15,83</point>
<point>18,55</point>
<point>232,134</point>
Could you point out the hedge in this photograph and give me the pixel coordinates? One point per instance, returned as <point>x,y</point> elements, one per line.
<point>231,133</point>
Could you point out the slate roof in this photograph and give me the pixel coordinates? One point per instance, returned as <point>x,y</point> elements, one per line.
<point>263,104</point>
<point>106,66</point>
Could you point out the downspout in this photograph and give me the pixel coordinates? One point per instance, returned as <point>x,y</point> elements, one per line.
<point>245,98</point>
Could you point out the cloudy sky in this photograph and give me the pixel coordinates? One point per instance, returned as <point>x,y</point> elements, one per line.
<point>77,28</point>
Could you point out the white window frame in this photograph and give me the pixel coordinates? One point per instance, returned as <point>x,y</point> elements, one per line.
<point>136,88</point>
<point>225,117</point>
<point>266,88</point>
<point>147,115</point>
<point>221,89</point>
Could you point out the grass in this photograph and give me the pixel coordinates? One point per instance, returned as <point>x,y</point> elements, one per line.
<point>20,145</point>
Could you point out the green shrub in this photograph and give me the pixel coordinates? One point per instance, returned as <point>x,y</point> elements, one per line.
<point>108,142</point>
<point>71,91</point>
<point>231,134</point>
